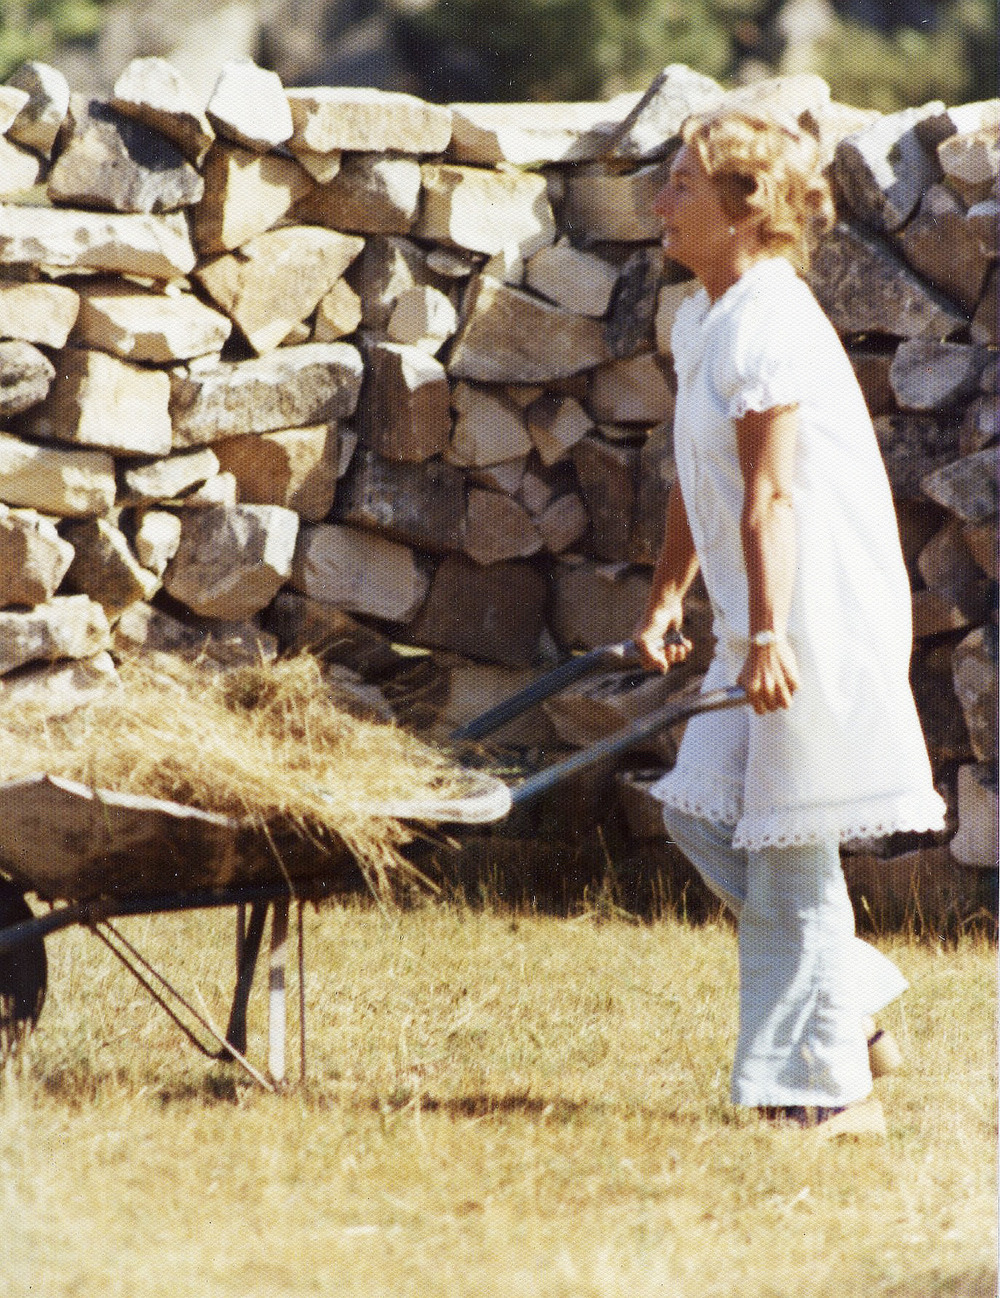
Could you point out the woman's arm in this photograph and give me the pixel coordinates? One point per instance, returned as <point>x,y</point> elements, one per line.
<point>675,570</point>
<point>766,444</point>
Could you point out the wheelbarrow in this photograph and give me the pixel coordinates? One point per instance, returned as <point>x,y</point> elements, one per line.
<point>96,856</point>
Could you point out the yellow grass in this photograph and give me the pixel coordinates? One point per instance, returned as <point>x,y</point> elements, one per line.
<point>498,1104</point>
<point>270,742</point>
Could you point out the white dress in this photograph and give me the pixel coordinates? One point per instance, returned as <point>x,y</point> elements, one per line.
<point>847,760</point>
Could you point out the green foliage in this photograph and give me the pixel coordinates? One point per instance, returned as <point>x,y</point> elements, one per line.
<point>890,71</point>
<point>32,29</point>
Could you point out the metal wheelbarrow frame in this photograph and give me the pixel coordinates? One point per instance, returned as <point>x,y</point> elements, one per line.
<point>252,888</point>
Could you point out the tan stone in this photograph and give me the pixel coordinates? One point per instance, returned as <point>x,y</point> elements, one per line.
<point>19,169</point>
<point>362,120</point>
<point>556,424</point>
<point>338,313</point>
<point>944,247</point>
<point>66,626</point>
<point>575,280</point>
<point>406,408</point>
<point>488,429</point>
<point>971,163</point>
<point>97,400</point>
<point>152,91</point>
<point>509,336</point>
<point>157,536</point>
<point>883,169</point>
<point>632,391</point>
<point>498,528</point>
<point>420,505</point>
<point>169,478</point>
<point>605,206</point>
<point>608,478</point>
<point>135,324</point>
<point>105,568</point>
<point>423,317</point>
<point>245,194</point>
<point>12,101</point>
<point>295,467</point>
<point>523,134</point>
<point>64,483</point>
<point>485,211</point>
<point>596,604</point>
<point>37,124</point>
<point>370,194</point>
<point>37,312</point>
<point>359,572</point>
<point>277,279</point>
<point>563,522</point>
<point>978,836</point>
<point>154,247</point>
<point>249,105</point>
<point>33,557</point>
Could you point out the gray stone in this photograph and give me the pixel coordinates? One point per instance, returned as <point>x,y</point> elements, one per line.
<point>422,317</point>
<point>883,169</point>
<point>631,391</point>
<point>657,474</point>
<point>984,323</point>
<point>606,206</point>
<point>865,288</point>
<point>66,626</point>
<point>913,446</point>
<point>556,424</point>
<point>535,133</point>
<point>498,528</point>
<point>928,375</point>
<point>489,428</point>
<point>20,169</point>
<point>571,278</point>
<point>33,558</point>
<point>230,643</point>
<point>112,162</point>
<point>26,375</point>
<point>629,326</point>
<point>37,124</point>
<point>231,562</point>
<point>596,604</point>
<point>944,246</point>
<point>967,487</point>
<point>651,127</point>
<point>420,505</point>
<point>293,387</point>
<point>974,671</point>
<point>975,843</point>
<point>152,91</point>
<point>369,195</point>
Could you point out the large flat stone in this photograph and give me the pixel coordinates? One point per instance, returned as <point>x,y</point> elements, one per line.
<point>359,572</point>
<point>128,244</point>
<point>37,312</point>
<point>526,134</point>
<point>138,325</point>
<point>293,387</point>
<point>67,626</point>
<point>153,92</point>
<point>55,481</point>
<point>485,211</point>
<point>370,194</point>
<point>361,120</point>
<point>246,193</point>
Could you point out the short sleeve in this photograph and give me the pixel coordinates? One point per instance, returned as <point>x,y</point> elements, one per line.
<point>766,359</point>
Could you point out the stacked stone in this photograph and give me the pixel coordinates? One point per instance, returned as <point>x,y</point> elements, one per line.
<point>345,369</point>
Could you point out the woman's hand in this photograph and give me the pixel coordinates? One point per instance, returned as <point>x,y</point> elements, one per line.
<point>659,638</point>
<point>770,676</point>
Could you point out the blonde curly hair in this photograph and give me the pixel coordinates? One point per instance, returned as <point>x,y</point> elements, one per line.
<point>769,169</point>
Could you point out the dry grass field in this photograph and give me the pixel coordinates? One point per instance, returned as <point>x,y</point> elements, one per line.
<point>498,1104</point>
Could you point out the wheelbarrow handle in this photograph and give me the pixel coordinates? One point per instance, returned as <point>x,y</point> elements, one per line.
<point>544,687</point>
<point>622,740</point>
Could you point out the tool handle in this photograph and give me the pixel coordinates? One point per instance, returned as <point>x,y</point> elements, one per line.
<point>544,687</point>
<point>622,740</point>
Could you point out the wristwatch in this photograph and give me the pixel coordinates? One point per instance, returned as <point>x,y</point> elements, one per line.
<point>761,638</point>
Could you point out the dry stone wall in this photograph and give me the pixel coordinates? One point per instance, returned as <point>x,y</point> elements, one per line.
<point>345,369</point>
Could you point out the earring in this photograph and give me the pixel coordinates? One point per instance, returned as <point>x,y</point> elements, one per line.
<point>732,232</point>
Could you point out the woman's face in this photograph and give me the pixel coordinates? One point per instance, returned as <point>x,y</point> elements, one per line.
<point>695,226</point>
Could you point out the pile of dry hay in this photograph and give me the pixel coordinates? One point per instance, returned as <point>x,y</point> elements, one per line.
<point>269,742</point>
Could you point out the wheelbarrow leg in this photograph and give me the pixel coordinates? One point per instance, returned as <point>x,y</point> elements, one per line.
<point>248,939</point>
<point>277,1016</point>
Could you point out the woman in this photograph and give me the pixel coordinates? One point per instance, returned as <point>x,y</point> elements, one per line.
<point>783,504</point>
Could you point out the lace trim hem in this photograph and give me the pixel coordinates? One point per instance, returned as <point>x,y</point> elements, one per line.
<point>861,819</point>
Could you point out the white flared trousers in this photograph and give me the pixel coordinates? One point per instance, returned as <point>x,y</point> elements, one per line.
<point>806,980</point>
